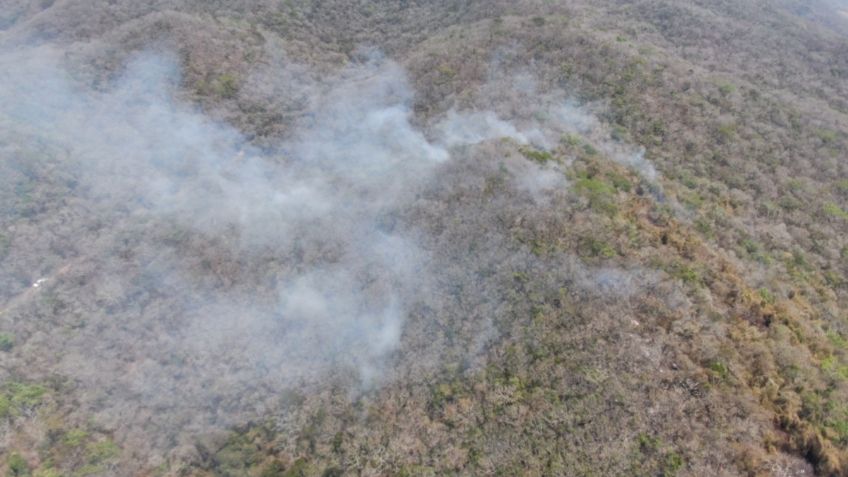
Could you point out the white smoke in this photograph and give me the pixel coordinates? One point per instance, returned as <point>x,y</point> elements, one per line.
<point>197,253</point>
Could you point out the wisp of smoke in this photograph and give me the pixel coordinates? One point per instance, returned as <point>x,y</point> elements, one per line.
<point>201,254</point>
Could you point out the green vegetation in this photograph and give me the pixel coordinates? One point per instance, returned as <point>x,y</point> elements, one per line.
<point>18,467</point>
<point>16,397</point>
<point>755,251</point>
<point>7,341</point>
<point>572,140</point>
<point>600,194</point>
<point>619,181</point>
<point>599,248</point>
<point>715,291</point>
<point>685,272</point>
<point>655,457</point>
<point>96,457</point>
<point>767,296</point>
<point>446,71</point>
<point>75,437</point>
<point>225,86</point>
<point>589,149</point>
<point>725,132</point>
<point>726,89</point>
<point>101,451</point>
<point>834,210</point>
<point>827,136</point>
<point>536,155</point>
<point>5,245</point>
<point>720,370</point>
<point>837,340</point>
<point>47,472</point>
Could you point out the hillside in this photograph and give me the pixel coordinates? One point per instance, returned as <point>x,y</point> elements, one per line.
<point>399,237</point>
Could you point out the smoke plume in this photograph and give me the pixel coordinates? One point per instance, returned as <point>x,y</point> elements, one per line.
<point>191,276</point>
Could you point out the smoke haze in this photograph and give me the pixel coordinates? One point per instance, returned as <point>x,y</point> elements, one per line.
<point>236,272</point>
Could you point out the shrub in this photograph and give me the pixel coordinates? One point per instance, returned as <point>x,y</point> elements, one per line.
<point>600,194</point>
<point>619,133</point>
<point>5,244</point>
<point>789,203</point>
<point>750,246</point>
<point>840,427</point>
<point>766,296</point>
<point>7,341</point>
<point>599,248</point>
<point>572,140</point>
<point>535,155</point>
<point>47,472</point>
<point>704,227</point>
<point>446,71</point>
<point>647,443</point>
<point>226,86</point>
<point>26,395</point>
<point>686,273</point>
<point>298,469</point>
<point>720,369</point>
<point>834,210</point>
<point>726,89</point>
<point>18,466</point>
<point>725,132</point>
<point>658,128</point>
<point>619,181</point>
<point>5,406</point>
<point>826,136</point>
<point>837,340</point>
<point>75,437</point>
<point>19,396</point>
<point>673,463</point>
<point>97,452</point>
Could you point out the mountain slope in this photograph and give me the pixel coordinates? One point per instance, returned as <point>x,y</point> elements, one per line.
<point>627,257</point>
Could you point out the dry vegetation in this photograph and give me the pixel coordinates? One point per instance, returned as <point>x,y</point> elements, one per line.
<point>695,323</point>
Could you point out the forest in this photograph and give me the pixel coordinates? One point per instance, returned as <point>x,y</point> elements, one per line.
<point>267,238</point>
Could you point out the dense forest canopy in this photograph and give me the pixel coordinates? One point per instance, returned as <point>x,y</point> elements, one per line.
<point>448,237</point>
